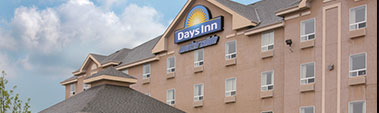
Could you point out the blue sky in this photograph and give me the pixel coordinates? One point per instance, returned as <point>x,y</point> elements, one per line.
<point>43,41</point>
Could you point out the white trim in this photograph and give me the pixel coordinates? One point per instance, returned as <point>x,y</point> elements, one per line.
<point>235,90</point>
<point>146,75</point>
<point>202,92</point>
<point>314,28</point>
<point>365,5</point>
<point>267,111</point>
<point>364,105</point>
<point>314,73</point>
<point>272,80</point>
<point>271,44</point>
<point>197,63</point>
<point>307,107</point>
<point>169,101</point>
<point>170,69</point>
<point>228,56</point>
<point>365,53</point>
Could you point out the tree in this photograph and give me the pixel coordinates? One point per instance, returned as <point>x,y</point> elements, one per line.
<point>10,102</point>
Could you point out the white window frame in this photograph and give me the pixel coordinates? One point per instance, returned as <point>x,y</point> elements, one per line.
<point>357,24</point>
<point>308,78</point>
<point>72,89</point>
<point>85,86</point>
<point>307,107</point>
<point>267,112</point>
<point>148,94</point>
<point>350,64</point>
<point>170,69</point>
<point>126,71</point>
<point>146,75</point>
<point>197,97</point>
<point>200,62</point>
<point>229,93</point>
<point>228,55</point>
<point>267,85</point>
<point>350,109</point>
<point>266,46</point>
<point>307,35</point>
<point>170,101</point>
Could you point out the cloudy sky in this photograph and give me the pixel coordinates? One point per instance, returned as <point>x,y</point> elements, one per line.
<point>43,41</point>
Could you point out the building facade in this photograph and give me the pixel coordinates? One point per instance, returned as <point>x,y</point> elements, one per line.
<point>272,56</point>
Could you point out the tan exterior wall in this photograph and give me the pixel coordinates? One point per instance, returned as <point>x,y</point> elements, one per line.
<point>332,91</point>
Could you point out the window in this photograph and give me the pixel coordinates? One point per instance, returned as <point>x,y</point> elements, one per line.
<point>198,90</point>
<point>126,71</point>
<point>358,65</point>
<point>72,89</point>
<point>307,73</point>
<point>358,17</point>
<point>267,112</point>
<point>171,64</point>
<point>357,107</point>
<point>85,86</point>
<point>199,57</point>
<point>170,97</point>
<point>93,67</point>
<point>230,50</point>
<point>146,71</point>
<point>307,30</point>
<point>230,87</point>
<point>308,109</point>
<point>148,94</point>
<point>267,81</point>
<point>267,41</point>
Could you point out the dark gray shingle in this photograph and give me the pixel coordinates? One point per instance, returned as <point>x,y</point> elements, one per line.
<point>111,99</point>
<point>112,72</point>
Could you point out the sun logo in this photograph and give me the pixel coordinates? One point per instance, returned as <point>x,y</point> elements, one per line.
<point>197,15</point>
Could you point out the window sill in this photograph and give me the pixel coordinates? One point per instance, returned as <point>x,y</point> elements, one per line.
<point>357,33</point>
<point>307,87</point>
<point>146,81</point>
<point>359,80</point>
<point>307,44</point>
<point>267,54</point>
<point>231,62</point>
<point>198,69</point>
<point>267,94</point>
<point>170,75</point>
<point>230,99</point>
<point>197,104</point>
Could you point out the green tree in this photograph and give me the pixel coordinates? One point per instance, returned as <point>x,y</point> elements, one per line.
<point>9,101</point>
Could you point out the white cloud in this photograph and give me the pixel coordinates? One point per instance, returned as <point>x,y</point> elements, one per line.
<point>7,66</point>
<point>61,30</point>
<point>6,40</point>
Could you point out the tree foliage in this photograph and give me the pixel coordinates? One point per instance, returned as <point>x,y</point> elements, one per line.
<point>9,101</point>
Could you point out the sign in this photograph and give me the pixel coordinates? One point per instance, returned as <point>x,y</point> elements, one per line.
<point>212,40</point>
<point>198,23</point>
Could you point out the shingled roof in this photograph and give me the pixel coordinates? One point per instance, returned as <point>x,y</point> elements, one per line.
<point>111,71</point>
<point>243,10</point>
<point>111,99</point>
<point>266,10</point>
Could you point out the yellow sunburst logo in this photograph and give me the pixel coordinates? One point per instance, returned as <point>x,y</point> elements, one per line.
<point>197,15</point>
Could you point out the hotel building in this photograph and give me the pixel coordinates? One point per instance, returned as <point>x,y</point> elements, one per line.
<point>272,56</point>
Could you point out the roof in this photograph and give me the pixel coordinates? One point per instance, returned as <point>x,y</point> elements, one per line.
<point>116,56</point>
<point>141,52</point>
<point>69,79</point>
<point>266,10</point>
<point>111,71</point>
<point>243,10</point>
<point>111,99</point>
<point>98,57</point>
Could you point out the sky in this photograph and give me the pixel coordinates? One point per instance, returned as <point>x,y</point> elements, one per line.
<point>43,41</point>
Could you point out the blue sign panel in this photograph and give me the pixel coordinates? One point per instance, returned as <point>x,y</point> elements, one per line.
<point>212,40</point>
